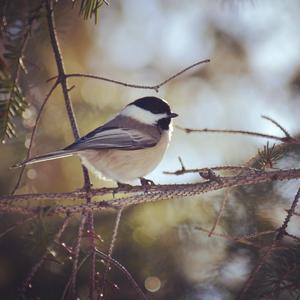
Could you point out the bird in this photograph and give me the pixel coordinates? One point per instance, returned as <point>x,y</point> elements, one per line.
<point>126,148</point>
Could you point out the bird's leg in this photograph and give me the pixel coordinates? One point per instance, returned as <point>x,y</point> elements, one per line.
<point>124,185</point>
<point>146,182</point>
<point>85,188</point>
<point>121,186</point>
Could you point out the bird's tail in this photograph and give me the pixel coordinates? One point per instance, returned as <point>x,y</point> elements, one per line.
<point>45,157</point>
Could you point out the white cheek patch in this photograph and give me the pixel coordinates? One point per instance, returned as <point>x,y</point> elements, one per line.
<point>142,115</point>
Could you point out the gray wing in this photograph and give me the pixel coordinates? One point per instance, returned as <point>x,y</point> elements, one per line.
<point>105,137</point>
<point>114,138</point>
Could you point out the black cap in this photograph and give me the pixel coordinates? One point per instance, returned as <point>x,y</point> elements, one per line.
<point>153,104</point>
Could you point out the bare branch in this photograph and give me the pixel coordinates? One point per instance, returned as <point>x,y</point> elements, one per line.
<point>76,255</point>
<point>237,239</point>
<point>256,270</point>
<point>116,264</point>
<point>33,134</point>
<point>115,232</point>
<point>217,220</point>
<point>287,135</point>
<point>136,194</point>
<point>91,233</point>
<point>111,247</point>
<point>183,170</point>
<point>155,87</point>
<point>62,80</point>
<point>280,233</point>
<point>288,140</point>
<point>41,261</point>
<point>12,227</point>
<point>291,211</point>
<point>67,286</point>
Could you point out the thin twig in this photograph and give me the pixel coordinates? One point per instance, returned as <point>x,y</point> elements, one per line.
<point>261,262</point>
<point>41,261</point>
<point>12,227</point>
<point>287,135</point>
<point>283,227</point>
<point>283,278</point>
<point>67,286</point>
<point>273,294</point>
<point>33,134</point>
<point>237,239</point>
<point>183,170</point>
<point>280,233</point>
<point>111,247</point>
<point>76,255</point>
<point>155,87</point>
<point>292,236</point>
<point>218,218</point>
<point>91,233</point>
<point>288,140</point>
<point>115,231</point>
<point>120,267</point>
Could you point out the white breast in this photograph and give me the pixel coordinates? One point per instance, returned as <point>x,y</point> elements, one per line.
<point>123,165</point>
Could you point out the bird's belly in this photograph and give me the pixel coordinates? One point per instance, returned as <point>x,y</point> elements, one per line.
<point>125,165</point>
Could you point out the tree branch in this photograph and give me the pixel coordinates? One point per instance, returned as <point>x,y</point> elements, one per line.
<point>34,133</point>
<point>137,194</point>
<point>281,232</point>
<point>111,248</point>
<point>183,170</point>
<point>62,80</point>
<point>76,255</point>
<point>120,267</point>
<point>286,139</point>
<point>41,261</point>
<point>155,87</point>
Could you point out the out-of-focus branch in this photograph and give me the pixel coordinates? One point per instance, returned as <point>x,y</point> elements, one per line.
<point>42,260</point>
<point>14,100</point>
<point>218,218</point>
<point>281,232</point>
<point>120,267</point>
<point>67,286</point>
<point>237,239</point>
<point>76,255</point>
<point>91,233</point>
<point>111,248</point>
<point>155,87</point>
<point>17,224</point>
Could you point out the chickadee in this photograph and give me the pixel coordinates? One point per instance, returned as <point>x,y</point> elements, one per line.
<point>126,148</point>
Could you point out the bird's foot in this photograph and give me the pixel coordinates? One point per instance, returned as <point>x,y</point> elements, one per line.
<point>124,185</point>
<point>121,186</point>
<point>146,183</point>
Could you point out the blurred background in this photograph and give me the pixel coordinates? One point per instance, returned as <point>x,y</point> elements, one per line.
<point>254,70</point>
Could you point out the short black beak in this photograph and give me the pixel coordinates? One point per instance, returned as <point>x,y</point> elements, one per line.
<point>173,115</point>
